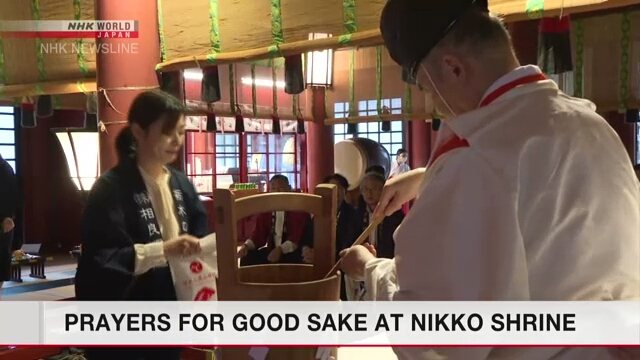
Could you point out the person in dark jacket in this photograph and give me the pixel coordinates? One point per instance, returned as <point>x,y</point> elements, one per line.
<point>8,208</point>
<point>382,238</point>
<point>137,214</point>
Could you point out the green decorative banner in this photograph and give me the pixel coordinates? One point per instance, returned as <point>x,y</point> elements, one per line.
<point>379,79</point>
<point>3,69</point>
<point>35,11</point>
<point>534,9</point>
<point>163,45</point>
<point>276,22</point>
<point>407,106</point>
<point>349,18</point>
<point>578,71</point>
<point>274,79</point>
<point>232,88</point>
<point>625,44</point>
<point>214,30</point>
<point>277,62</point>
<point>80,56</point>
<point>254,92</point>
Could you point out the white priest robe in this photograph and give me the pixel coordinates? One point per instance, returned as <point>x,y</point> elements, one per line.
<point>541,204</point>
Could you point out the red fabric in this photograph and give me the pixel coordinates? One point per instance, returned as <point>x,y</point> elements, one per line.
<point>295,222</point>
<point>555,25</point>
<point>451,144</point>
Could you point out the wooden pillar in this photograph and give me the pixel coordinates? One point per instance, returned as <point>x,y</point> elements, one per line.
<point>319,142</point>
<point>124,74</point>
<point>418,143</point>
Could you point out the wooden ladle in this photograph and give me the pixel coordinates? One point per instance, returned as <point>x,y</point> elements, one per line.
<point>359,241</point>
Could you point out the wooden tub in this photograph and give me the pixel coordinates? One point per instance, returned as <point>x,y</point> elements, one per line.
<point>276,282</point>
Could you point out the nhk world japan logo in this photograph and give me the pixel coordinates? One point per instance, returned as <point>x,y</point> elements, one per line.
<point>69,29</point>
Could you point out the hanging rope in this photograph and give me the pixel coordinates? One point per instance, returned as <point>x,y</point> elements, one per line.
<point>102,125</point>
<point>578,71</point>
<point>254,92</point>
<point>625,44</point>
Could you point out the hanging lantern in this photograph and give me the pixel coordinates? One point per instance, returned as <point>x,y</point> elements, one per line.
<point>210,91</point>
<point>81,150</point>
<point>319,65</point>
<point>386,124</point>
<point>300,126</point>
<point>44,106</point>
<point>27,113</point>
<point>435,124</point>
<point>632,116</point>
<point>212,125</point>
<point>239,122</point>
<point>92,103</point>
<point>275,125</point>
<point>554,49</point>
<point>407,77</point>
<point>293,75</point>
<point>90,122</point>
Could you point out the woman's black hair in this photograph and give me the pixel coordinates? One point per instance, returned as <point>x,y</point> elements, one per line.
<point>148,108</point>
<point>339,179</point>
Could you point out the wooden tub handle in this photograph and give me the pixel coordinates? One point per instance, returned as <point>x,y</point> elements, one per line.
<point>359,241</point>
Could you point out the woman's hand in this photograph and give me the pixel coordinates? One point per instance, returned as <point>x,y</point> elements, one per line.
<point>399,190</point>
<point>275,255</point>
<point>307,255</point>
<point>182,245</point>
<point>371,249</point>
<point>8,225</point>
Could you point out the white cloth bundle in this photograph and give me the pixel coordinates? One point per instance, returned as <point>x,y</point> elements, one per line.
<point>194,277</point>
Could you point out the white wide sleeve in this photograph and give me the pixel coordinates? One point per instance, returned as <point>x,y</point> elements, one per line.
<point>380,279</point>
<point>149,256</point>
<point>460,242</point>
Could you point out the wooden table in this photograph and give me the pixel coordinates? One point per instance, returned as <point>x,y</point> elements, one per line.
<point>36,263</point>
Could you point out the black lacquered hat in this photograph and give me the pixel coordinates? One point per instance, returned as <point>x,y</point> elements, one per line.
<point>412,28</point>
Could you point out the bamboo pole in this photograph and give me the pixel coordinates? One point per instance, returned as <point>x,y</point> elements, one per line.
<point>49,88</point>
<point>378,118</point>
<point>359,39</point>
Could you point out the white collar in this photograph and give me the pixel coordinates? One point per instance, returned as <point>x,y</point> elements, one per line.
<point>513,75</point>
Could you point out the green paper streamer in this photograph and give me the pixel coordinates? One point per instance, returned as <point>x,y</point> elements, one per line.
<point>408,101</point>
<point>578,71</point>
<point>163,45</point>
<point>214,31</point>
<point>379,79</point>
<point>254,92</point>
<point>232,88</point>
<point>39,90</point>
<point>534,9</point>
<point>274,51</point>
<point>274,78</point>
<point>3,70</point>
<point>211,58</point>
<point>35,11</point>
<point>344,39</point>
<point>625,44</point>
<point>80,56</point>
<point>57,102</point>
<point>349,16</point>
<point>17,102</point>
<point>352,85</point>
<point>80,86</point>
<point>276,22</point>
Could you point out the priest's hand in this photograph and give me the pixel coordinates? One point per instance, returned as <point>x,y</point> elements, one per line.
<point>8,225</point>
<point>275,255</point>
<point>398,191</point>
<point>182,245</point>
<point>353,261</point>
<point>371,249</point>
<point>307,255</point>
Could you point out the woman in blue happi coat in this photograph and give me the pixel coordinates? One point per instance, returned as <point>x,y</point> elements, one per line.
<point>138,213</point>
